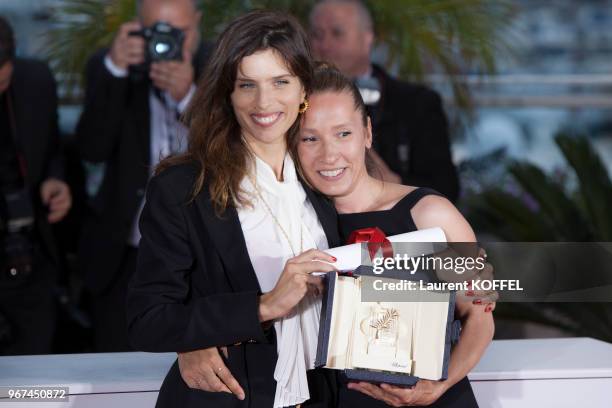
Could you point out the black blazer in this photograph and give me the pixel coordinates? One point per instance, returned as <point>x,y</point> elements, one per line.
<point>195,287</point>
<point>34,99</point>
<point>411,135</point>
<point>114,128</point>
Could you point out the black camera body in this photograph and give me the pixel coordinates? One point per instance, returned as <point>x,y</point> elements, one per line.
<point>16,235</point>
<point>163,42</point>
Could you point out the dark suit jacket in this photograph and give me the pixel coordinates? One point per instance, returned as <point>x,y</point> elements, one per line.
<point>195,287</point>
<point>114,129</point>
<point>411,135</point>
<point>34,98</point>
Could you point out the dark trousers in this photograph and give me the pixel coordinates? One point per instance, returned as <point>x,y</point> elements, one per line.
<point>109,309</point>
<point>29,310</point>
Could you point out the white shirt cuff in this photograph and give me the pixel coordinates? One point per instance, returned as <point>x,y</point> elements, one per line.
<point>114,69</point>
<point>182,105</point>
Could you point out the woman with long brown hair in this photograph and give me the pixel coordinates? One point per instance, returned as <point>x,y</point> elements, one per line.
<point>228,233</point>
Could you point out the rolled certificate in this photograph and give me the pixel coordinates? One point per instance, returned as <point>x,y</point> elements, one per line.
<point>349,257</point>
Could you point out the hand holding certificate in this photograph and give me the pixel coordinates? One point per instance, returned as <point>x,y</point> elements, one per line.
<point>349,257</point>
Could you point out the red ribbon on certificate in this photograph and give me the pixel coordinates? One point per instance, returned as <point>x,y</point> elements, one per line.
<point>375,238</point>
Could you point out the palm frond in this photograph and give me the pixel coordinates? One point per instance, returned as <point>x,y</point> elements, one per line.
<point>508,216</point>
<point>385,321</point>
<point>595,186</point>
<point>80,28</point>
<point>554,205</point>
<point>583,216</point>
<point>453,36</point>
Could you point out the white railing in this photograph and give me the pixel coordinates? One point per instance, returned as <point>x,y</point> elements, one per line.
<point>566,372</point>
<point>569,91</point>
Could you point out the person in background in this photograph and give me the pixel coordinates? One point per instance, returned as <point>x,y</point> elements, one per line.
<point>130,120</point>
<point>410,127</point>
<point>33,196</point>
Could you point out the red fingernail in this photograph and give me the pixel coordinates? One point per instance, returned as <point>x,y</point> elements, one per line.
<point>477,302</point>
<point>334,258</point>
<point>488,308</point>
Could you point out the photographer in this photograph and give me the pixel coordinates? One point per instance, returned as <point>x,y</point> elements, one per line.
<point>32,196</point>
<point>135,93</point>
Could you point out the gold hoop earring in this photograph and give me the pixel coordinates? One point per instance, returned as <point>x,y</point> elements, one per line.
<point>304,106</point>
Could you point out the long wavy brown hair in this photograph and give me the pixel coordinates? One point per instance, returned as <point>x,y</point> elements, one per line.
<point>215,141</point>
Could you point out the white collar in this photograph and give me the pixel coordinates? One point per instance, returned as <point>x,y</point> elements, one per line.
<point>266,179</point>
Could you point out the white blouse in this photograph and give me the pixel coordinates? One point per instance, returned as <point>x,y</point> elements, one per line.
<point>269,250</point>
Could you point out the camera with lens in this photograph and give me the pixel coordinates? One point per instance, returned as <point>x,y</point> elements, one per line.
<point>16,235</point>
<point>163,42</point>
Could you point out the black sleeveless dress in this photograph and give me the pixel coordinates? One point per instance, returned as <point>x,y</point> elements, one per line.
<point>398,220</point>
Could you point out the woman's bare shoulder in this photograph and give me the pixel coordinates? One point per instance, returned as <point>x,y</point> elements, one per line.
<point>437,211</point>
<point>431,206</point>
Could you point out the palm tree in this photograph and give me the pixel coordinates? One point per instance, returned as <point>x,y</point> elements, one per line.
<point>553,214</point>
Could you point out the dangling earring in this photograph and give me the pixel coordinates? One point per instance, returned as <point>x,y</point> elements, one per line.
<point>303,106</point>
